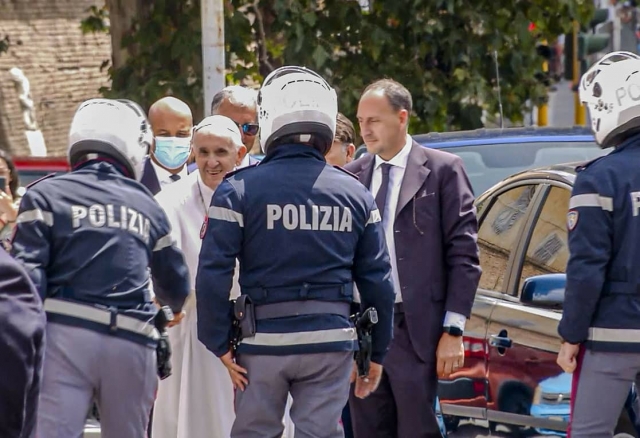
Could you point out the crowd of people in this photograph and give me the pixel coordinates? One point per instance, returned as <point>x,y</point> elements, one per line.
<point>257,268</point>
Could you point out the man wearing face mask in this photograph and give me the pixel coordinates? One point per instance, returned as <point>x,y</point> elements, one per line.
<point>171,121</point>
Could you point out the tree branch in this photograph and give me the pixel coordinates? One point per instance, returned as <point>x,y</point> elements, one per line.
<point>262,37</point>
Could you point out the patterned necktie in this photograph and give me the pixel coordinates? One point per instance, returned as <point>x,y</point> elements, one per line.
<point>381,196</point>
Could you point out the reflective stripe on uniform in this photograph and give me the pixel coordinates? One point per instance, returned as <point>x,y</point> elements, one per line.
<point>591,200</point>
<point>301,338</point>
<point>163,242</point>
<point>35,215</point>
<point>226,214</point>
<point>597,334</point>
<point>93,314</point>
<point>374,217</point>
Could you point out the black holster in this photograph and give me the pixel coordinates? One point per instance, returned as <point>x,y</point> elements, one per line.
<point>364,326</point>
<point>163,349</point>
<point>244,320</point>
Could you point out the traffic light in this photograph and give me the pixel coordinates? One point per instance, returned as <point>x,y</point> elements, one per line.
<point>547,54</point>
<point>588,44</point>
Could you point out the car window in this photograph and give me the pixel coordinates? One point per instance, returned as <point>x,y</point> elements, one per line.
<point>499,233</point>
<point>548,251</point>
<point>488,164</point>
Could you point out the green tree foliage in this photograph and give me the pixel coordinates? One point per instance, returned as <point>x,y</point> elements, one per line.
<point>441,50</point>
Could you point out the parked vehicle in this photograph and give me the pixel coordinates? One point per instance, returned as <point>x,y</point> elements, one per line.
<point>490,155</point>
<point>511,339</point>
<point>31,169</point>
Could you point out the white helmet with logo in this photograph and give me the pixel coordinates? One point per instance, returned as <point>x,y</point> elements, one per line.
<point>611,91</point>
<point>296,101</point>
<point>116,128</point>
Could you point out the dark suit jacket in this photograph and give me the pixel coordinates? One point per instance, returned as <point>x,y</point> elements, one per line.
<point>436,241</point>
<point>22,346</point>
<point>150,178</point>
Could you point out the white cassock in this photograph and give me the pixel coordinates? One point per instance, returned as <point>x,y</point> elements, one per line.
<point>197,399</point>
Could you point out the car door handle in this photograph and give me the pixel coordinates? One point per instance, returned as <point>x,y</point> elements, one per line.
<point>500,341</point>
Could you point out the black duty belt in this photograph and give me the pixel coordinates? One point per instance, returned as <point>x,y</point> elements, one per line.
<point>298,308</point>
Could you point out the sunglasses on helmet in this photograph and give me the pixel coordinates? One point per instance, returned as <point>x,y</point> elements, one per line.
<point>249,128</point>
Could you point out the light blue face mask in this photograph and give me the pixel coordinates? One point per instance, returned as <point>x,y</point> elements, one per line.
<point>172,152</point>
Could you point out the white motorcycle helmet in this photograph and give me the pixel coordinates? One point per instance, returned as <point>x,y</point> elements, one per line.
<point>611,91</point>
<point>296,101</point>
<point>116,128</point>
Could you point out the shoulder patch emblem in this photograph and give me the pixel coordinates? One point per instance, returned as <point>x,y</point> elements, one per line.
<point>572,219</point>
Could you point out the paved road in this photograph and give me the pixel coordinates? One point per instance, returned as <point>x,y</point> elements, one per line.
<point>480,429</point>
<point>465,430</point>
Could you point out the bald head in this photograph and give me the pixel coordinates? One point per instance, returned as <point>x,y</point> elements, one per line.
<point>170,117</point>
<point>170,104</point>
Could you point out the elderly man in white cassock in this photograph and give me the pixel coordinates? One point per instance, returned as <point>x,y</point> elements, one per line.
<point>197,399</point>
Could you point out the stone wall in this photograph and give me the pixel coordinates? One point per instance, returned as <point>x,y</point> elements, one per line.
<point>60,62</point>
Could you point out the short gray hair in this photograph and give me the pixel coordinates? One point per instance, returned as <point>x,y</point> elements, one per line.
<point>237,95</point>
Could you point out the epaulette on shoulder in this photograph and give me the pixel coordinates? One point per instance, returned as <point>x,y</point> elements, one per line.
<point>242,169</point>
<point>51,175</point>
<point>342,169</point>
<point>584,166</point>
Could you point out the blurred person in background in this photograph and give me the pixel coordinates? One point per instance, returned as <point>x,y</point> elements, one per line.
<point>341,153</point>
<point>342,149</point>
<point>9,198</point>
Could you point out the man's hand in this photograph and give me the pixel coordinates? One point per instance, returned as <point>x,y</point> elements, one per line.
<point>366,385</point>
<point>567,357</point>
<point>450,354</point>
<point>236,372</point>
<point>176,319</point>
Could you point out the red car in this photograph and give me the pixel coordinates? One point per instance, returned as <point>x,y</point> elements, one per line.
<point>31,169</point>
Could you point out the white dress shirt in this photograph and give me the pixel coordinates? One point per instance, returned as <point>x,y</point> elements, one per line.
<point>164,176</point>
<point>396,175</point>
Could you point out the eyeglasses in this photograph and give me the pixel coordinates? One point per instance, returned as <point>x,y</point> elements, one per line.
<point>249,128</point>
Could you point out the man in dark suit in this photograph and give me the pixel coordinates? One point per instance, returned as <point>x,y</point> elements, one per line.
<point>22,346</point>
<point>430,224</point>
<point>171,122</point>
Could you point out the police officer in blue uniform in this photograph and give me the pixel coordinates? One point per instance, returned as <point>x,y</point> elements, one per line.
<point>303,232</point>
<point>22,347</point>
<point>88,239</point>
<point>600,326</point>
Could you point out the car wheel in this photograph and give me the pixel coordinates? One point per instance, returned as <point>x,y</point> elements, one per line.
<point>514,401</point>
<point>451,423</point>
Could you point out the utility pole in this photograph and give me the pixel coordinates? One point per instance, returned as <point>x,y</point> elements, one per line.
<point>579,110</point>
<point>213,62</point>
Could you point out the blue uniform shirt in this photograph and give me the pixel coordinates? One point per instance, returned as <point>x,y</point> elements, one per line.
<point>301,229</point>
<point>90,236</point>
<point>602,298</point>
